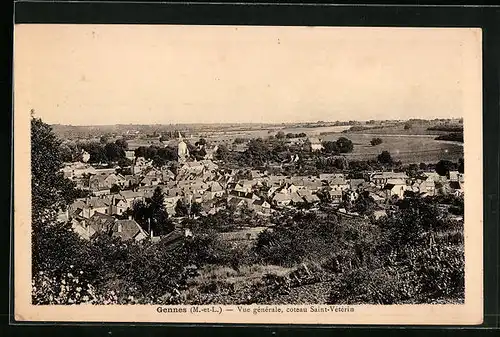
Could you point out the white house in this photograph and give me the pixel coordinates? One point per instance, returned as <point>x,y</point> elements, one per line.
<point>315,144</point>
<point>395,187</point>
<point>381,178</point>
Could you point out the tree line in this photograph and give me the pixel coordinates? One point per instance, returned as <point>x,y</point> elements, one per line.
<point>163,155</point>
<point>289,135</point>
<point>341,145</point>
<point>103,151</point>
<point>260,152</point>
<point>454,137</point>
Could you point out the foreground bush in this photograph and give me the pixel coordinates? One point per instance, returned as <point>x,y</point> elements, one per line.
<point>105,270</point>
<point>366,286</point>
<point>440,272</point>
<point>336,245</point>
<point>69,288</point>
<point>427,275</point>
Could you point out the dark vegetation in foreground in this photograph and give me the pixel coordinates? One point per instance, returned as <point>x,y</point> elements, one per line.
<point>454,137</point>
<point>412,255</point>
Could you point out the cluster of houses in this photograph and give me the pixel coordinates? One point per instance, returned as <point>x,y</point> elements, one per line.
<point>214,189</point>
<point>113,194</point>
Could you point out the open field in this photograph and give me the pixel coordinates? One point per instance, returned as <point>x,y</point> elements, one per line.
<point>228,134</point>
<point>398,129</point>
<point>265,132</point>
<point>407,148</point>
<point>414,145</point>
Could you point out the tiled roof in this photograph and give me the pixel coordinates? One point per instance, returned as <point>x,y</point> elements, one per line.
<point>259,202</point>
<point>132,194</point>
<point>335,192</point>
<point>98,202</point>
<point>388,175</point>
<point>101,222</point>
<point>396,181</point>
<point>311,198</point>
<point>355,183</point>
<point>129,229</point>
<point>235,201</point>
<point>337,181</point>
<point>215,187</point>
<point>282,197</point>
<point>296,197</point>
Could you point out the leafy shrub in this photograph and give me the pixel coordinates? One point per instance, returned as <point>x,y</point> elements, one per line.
<point>207,247</point>
<point>440,272</point>
<point>452,236</point>
<point>412,224</point>
<point>417,258</point>
<point>69,288</point>
<point>366,286</point>
<point>280,247</point>
<point>345,145</point>
<point>456,137</point>
<point>456,210</point>
<point>337,246</point>
<point>385,157</point>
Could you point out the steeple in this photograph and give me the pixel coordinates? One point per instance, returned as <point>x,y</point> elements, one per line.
<point>182,150</point>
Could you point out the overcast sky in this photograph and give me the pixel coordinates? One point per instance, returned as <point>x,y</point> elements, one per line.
<point>114,74</point>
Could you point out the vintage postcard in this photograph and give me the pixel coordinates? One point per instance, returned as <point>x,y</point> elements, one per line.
<point>248,174</point>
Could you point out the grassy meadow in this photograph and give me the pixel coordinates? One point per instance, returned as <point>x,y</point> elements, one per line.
<point>407,148</point>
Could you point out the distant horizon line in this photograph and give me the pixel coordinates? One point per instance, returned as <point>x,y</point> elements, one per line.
<point>252,123</point>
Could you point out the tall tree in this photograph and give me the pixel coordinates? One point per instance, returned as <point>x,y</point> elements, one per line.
<point>341,163</point>
<point>56,248</point>
<point>222,152</point>
<point>47,182</point>
<point>139,212</point>
<point>196,208</point>
<point>96,151</point>
<point>445,166</point>
<point>376,141</point>
<point>151,152</point>
<point>461,165</point>
<point>66,153</point>
<point>345,145</point>
<point>412,170</point>
<point>181,209</point>
<point>104,139</point>
<point>158,213</point>
<point>330,146</point>
<point>280,135</point>
<point>140,152</point>
<point>201,142</point>
<point>114,152</point>
<point>122,143</point>
<point>385,157</point>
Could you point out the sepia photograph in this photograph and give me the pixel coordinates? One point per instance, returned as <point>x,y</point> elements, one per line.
<point>247,174</point>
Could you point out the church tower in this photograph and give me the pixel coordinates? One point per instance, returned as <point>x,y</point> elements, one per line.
<point>182,150</point>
